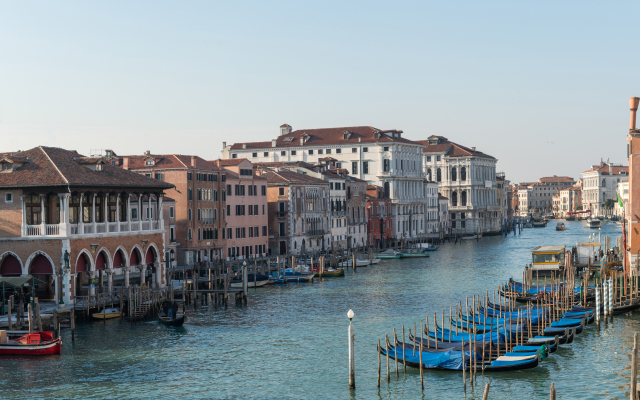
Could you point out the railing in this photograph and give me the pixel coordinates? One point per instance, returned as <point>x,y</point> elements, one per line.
<point>124,226</point>
<point>101,228</point>
<point>113,227</point>
<point>87,228</point>
<point>52,229</point>
<point>73,229</point>
<point>33,230</point>
<point>146,225</point>
<point>281,214</point>
<point>207,221</point>
<point>317,232</point>
<point>342,213</point>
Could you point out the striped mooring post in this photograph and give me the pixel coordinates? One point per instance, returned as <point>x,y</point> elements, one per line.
<point>605,297</point>
<point>597,304</point>
<point>610,296</point>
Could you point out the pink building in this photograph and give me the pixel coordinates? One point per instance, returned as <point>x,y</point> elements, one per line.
<point>245,218</point>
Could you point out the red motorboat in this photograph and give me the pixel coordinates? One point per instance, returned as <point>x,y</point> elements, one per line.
<point>32,344</point>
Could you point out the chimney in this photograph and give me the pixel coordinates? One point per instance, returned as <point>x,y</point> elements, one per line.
<point>224,144</point>
<point>473,148</point>
<point>633,105</point>
<point>193,161</point>
<point>244,145</point>
<point>125,163</point>
<point>610,169</point>
<point>148,152</point>
<point>273,143</point>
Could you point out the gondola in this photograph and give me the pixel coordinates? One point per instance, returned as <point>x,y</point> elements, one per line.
<point>625,308</point>
<point>164,320</point>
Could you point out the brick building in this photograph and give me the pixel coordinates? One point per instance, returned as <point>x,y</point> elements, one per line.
<point>246,216</point>
<point>65,218</point>
<point>200,201</point>
<point>380,220</point>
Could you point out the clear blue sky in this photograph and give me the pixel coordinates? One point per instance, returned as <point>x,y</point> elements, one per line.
<point>506,77</point>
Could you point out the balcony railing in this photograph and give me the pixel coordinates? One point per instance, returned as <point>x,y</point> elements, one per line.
<point>341,213</point>
<point>89,228</point>
<point>317,232</point>
<point>33,230</point>
<point>207,221</point>
<point>52,230</point>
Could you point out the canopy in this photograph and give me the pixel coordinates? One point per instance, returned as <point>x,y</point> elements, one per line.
<point>16,281</point>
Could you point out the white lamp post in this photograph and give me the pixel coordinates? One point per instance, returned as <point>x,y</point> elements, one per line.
<point>352,365</point>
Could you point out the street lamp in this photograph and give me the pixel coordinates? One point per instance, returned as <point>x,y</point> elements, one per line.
<point>352,365</point>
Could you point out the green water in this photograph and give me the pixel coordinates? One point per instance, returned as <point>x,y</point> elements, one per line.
<point>291,341</point>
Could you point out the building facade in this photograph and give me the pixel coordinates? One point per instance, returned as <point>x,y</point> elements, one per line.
<point>379,217</point>
<point>467,177</point>
<point>299,213</point>
<point>443,215</point>
<point>246,222</point>
<point>600,184</point>
<point>380,157</point>
<point>65,220</point>
<point>200,197</point>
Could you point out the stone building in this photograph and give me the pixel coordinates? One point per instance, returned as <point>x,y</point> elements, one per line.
<point>467,177</point>
<point>299,213</point>
<point>65,219</point>
<point>380,157</point>
<point>600,183</point>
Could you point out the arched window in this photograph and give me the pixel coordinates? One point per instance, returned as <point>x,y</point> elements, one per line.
<point>463,198</point>
<point>463,173</point>
<point>454,174</point>
<point>428,173</point>
<point>454,199</point>
<point>604,183</point>
<point>438,175</point>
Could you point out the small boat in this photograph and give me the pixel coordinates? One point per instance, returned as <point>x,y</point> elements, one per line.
<point>297,276</point>
<point>165,320</point>
<point>389,254</point>
<point>413,254</point>
<point>250,284</point>
<point>359,262</point>
<point>107,313</point>
<point>560,227</point>
<point>539,222</point>
<point>32,344</point>
<point>471,236</point>
<point>327,273</point>
<point>593,223</point>
<point>430,248</point>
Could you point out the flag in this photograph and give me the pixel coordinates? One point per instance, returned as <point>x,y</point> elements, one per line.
<point>620,203</point>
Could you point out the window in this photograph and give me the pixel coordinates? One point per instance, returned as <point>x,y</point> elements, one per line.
<point>428,158</point>
<point>189,176</point>
<point>338,165</point>
<point>281,230</point>
<point>439,175</point>
<point>199,194</point>
<point>310,152</point>
<point>386,164</point>
<point>189,194</point>
<point>7,166</point>
<point>386,148</point>
<point>172,234</point>
<point>190,236</point>
<point>228,209</point>
<point>215,194</point>
<point>255,209</point>
<point>354,167</point>
<point>338,151</point>
<point>280,191</point>
<point>365,149</point>
<point>365,167</point>
<point>199,234</point>
<point>250,210</point>
<point>199,215</point>
<point>224,178</point>
<point>150,162</point>
<point>264,230</point>
<point>229,233</point>
<point>189,214</point>
<point>437,158</point>
<point>328,151</point>
<point>224,195</point>
<point>134,213</point>
<point>254,155</point>
<point>293,152</point>
<point>171,212</point>
<point>264,190</point>
<point>250,190</point>
<point>8,197</point>
<point>283,153</point>
<point>234,156</point>
<point>266,154</point>
<point>158,176</point>
<point>319,151</point>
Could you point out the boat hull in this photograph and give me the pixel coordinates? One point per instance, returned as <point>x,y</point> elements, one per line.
<point>41,349</point>
<point>167,322</point>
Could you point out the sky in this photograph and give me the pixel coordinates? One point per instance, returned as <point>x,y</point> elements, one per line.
<point>542,86</point>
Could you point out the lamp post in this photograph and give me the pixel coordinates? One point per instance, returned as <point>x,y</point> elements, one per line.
<point>352,365</point>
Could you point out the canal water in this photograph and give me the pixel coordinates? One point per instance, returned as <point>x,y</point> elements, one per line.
<point>291,341</point>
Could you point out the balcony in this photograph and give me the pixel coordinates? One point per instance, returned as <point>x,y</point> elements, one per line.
<point>317,232</point>
<point>63,230</point>
<point>207,221</point>
<point>341,213</point>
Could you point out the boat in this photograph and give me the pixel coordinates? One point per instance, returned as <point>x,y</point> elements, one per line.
<point>413,254</point>
<point>547,259</point>
<point>389,254</point>
<point>107,313</point>
<point>32,344</point>
<point>560,227</point>
<point>539,222</point>
<point>165,320</point>
<point>593,223</point>
<point>250,284</point>
<point>471,236</point>
<point>359,262</point>
<point>327,273</point>
<point>290,276</point>
<point>430,248</point>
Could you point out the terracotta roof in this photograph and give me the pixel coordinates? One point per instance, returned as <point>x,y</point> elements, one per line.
<point>169,161</point>
<point>327,158</point>
<point>13,158</point>
<point>604,169</point>
<point>228,161</point>
<point>166,199</point>
<point>52,166</point>
<point>441,197</point>
<point>286,177</point>
<point>373,187</point>
<point>277,164</point>
<point>449,149</point>
<point>330,136</point>
<point>565,179</point>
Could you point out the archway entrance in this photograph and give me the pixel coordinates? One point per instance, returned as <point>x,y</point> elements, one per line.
<point>118,263</point>
<point>101,265</point>
<point>82,266</point>
<point>135,261</point>
<point>42,270</point>
<point>10,266</point>
<point>150,259</point>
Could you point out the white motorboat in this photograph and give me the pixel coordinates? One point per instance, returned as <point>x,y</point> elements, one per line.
<point>359,262</point>
<point>593,223</point>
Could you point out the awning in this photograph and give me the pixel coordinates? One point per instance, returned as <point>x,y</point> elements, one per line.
<point>16,281</point>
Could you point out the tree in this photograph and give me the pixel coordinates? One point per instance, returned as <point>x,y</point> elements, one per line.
<point>609,203</point>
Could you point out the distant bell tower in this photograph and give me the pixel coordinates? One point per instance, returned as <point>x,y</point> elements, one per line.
<point>633,208</point>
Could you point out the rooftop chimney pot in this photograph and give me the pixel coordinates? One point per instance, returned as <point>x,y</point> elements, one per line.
<point>224,144</point>
<point>125,162</point>
<point>273,143</point>
<point>193,161</point>
<point>633,105</point>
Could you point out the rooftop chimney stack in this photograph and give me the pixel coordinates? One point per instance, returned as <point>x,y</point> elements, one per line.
<point>633,105</point>
<point>224,144</point>
<point>193,161</point>
<point>125,163</point>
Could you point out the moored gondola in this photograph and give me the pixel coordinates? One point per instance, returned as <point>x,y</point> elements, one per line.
<point>165,320</point>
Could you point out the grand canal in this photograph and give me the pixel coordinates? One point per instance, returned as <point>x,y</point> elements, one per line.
<point>291,341</point>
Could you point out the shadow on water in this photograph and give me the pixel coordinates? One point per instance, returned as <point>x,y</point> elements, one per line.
<point>291,340</point>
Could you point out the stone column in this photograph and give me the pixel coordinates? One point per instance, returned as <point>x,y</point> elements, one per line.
<point>110,280</point>
<point>118,213</point>
<point>43,217</point>
<point>143,272</point>
<point>106,212</point>
<point>160,214</point>
<point>81,216</point>
<point>129,211</point>
<point>150,206</point>
<point>93,212</point>
<point>23,228</point>
<point>92,289</point>
<point>56,287</point>
<point>139,212</point>
<point>156,275</point>
<point>126,275</point>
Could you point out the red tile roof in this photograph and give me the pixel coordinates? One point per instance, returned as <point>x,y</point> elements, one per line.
<point>228,161</point>
<point>286,177</point>
<point>52,166</point>
<point>169,161</point>
<point>449,149</point>
<point>330,136</point>
<point>559,179</point>
<point>604,169</point>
